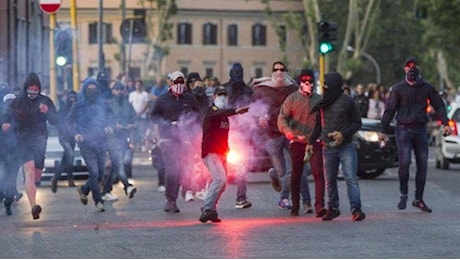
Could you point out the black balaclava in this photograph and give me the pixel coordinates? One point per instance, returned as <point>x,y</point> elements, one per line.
<point>90,95</point>
<point>71,98</point>
<point>334,82</point>
<point>237,73</point>
<point>32,79</point>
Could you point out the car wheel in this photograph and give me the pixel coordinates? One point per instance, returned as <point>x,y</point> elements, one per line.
<point>370,174</point>
<point>444,163</point>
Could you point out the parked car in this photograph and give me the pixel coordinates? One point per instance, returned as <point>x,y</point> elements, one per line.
<point>447,148</point>
<point>53,157</point>
<point>374,157</point>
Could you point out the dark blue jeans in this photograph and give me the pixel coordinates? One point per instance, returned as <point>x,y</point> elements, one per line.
<point>346,156</point>
<point>66,164</point>
<point>95,161</point>
<point>117,165</point>
<point>408,139</point>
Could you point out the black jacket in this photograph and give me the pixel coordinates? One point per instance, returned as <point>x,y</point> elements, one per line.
<point>342,115</point>
<point>170,108</point>
<point>215,131</point>
<point>409,103</point>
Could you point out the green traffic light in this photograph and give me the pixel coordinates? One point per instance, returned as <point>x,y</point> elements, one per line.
<point>325,47</point>
<point>61,61</point>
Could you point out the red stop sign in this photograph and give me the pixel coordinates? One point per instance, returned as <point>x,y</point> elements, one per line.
<point>50,6</point>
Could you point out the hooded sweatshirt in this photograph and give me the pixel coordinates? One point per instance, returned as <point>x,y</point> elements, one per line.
<point>273,97</point>
<point>30,122</point>
<point>90,117</point>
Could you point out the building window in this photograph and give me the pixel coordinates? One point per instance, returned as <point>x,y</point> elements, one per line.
<point>209,72</point>
<point>259,72</point>
<point>232,36</point>
<point>92,72</point>
<point>259,37</point>
<point>209,34</point>
<point>106,33</point>
<point>282,34</point>
<point>184,33</point>
<point>184,70</point>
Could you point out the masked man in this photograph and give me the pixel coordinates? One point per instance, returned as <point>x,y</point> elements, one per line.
<point>31,111</point>
<point>174,114</point>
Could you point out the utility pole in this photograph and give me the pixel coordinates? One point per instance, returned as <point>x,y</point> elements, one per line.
<point>53,92</point>
<point>101,66</point>
<point>123,47</point>
<point>75,62</point>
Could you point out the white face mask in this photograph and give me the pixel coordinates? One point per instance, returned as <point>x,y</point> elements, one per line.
<point>221,102</point>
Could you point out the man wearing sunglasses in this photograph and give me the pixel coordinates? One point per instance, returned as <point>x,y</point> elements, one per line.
<point>270,95</point>
<point>297,124</point>
<point>173,115</point>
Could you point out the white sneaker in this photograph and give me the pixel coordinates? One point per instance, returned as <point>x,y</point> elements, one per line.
<point>109,197</point>
<point>201,194</point>
<point>188,195</point>
<point>161,188</point>
<point>100,206</point>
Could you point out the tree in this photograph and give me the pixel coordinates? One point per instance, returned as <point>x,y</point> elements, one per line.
<point>159,32</point>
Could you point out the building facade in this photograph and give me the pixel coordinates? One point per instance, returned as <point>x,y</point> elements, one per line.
<point>208,36</point>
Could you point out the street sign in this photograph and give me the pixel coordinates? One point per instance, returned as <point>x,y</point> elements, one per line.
<point>50,6</point>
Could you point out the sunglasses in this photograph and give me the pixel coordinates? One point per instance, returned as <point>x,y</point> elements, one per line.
<point>306,78</point>
<point>179,81</point>
<point>279,69</point>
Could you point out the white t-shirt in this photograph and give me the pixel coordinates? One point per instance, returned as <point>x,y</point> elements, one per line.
<point>139,101</point>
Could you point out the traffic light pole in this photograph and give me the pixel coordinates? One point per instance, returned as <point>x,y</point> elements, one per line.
<point>75,63</point>
<point>322,68</point>
<point>53,93</point>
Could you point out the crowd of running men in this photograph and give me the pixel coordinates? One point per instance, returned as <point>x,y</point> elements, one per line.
<point>301,131</point>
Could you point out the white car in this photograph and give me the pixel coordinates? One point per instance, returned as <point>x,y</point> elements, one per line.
<point>448,147</point>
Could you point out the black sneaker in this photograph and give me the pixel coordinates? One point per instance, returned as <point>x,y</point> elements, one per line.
<point>83,196</point>
<point>331,214</point>
<point>209,215</point>
<point>357,215</point>
<point>171,207</point>
<point>421,205</point>
<point>276,185</point>
<point>54,184</point>
<point>36,211</point>
<point>294,212</point>
<point>8,209</point>
<point>321,212</point>
<point>402,203</point>
<point>243,204</point>
<point>17,197</point>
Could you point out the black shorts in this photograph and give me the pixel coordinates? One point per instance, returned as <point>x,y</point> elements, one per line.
<point>32,149</point>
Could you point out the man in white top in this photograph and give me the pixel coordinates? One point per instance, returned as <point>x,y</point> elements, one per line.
<point>140,101</point>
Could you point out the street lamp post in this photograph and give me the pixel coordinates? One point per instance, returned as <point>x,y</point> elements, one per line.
<point>371,59</point>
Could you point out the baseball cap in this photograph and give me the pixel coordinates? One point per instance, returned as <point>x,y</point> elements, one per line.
<point>220,90</point>
<point>411,60</point>
<point>8,97</point>
<point>175,75</point>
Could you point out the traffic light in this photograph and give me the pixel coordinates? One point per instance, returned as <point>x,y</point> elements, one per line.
<point>327,34</point>
<point>63,47</point>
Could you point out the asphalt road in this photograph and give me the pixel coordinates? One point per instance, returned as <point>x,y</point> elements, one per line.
<point>138,228</point>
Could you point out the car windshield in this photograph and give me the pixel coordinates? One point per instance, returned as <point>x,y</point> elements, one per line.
<point>456,116</point>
